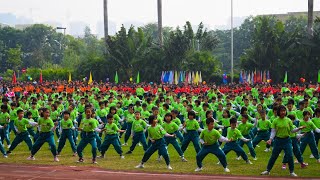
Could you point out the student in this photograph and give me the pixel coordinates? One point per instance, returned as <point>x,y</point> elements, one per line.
<point>46,129</point>
<point>30,127</point>
<point>308,138</point>
<point>263,128</point>
<point>137,133</point>
<point>111,130</point>
<point>225,122</point>
<point>3,151</point>
<point>233,135</point>
<point>191,129</point>
<point>66,131</point>
<point>171,127</point>
<point>176,120</point>
<point>129,118</point>
<point>282,127</point>
<point>295,146</point>
<point>316,121</point>
<point>4,122</point>
<point>88,127</point>
<point>156,134</point>
<point>20,126</point>
<point>209,139</point>
<point>245,128</point>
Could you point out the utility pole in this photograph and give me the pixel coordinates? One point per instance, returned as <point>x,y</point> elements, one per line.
<point>160,22</point>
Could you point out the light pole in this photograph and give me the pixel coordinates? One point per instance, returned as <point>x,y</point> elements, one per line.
<point>62,40</point>
<point>231,41</point>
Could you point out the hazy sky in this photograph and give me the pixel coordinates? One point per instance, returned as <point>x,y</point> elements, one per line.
<point>175,12</point>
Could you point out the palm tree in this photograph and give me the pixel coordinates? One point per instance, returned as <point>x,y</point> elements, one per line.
<point>310,18</point>
<point>105,12</point>
<point>160,22</point>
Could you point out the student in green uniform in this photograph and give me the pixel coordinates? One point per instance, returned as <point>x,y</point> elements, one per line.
<point>46,129</point>
<point>263,128</point>
<point>30,127</point>
<point>20,125</point>
<point>295,146</point>
<point>171,127</point>
<point>245,127</point>
<point>233,135</point>
<point>225,122</point>
<point>316,121</point>
<point>282,127</point>
<point>129,118</point>
<point>308,138</point>
<point>137,133</point>
<point>66,129</point>
<point>191,129</point>
<point>176,120</point>
<point>88,127</point>
<point>209,139</point>
<point>2,150</point>
<point>111,130</point>
<point>156,134</point>
<point>5,121</point>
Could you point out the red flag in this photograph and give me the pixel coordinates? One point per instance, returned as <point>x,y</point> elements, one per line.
<point>14,78</point>
<point>40,80</point>
<point>255,77</point>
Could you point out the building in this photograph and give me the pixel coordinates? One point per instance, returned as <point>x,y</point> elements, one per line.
<point>284,17</point>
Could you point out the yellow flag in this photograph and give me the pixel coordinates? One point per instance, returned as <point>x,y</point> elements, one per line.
<point>69,77</point>
<point>90,78</point>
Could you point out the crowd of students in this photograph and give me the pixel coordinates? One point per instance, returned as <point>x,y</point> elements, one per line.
<point>286,117</point>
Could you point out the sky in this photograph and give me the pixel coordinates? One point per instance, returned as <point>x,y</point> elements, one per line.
<point>213,13</point>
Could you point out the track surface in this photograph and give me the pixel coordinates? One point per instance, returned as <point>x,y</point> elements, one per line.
<point>29,172</point>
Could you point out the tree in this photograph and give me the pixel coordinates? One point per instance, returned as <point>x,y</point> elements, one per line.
<point>14,58</point>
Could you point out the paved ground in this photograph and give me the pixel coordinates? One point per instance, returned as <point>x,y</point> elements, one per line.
<point>29,172</point>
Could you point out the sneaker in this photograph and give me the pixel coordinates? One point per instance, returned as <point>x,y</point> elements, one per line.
<point>284,167</point>
<point>267,150</point>
<point>159,158</point>
<point>94,161</point>
<point>129,152</point>
<point>296,161</point>
<point>265,173</point>
<point>184,159</point>
<point>58,154</point>
<point>226,170</point>
<point>80,160</point>
<point>8,146</point>
<point>5,156</point>
<point>55,159</point>
<point>31,158</point>
<point>311,156</point>
<point>8,152</point>
<point>248,162</point>
<point>198,169</point>
<point>121,157</point>
<point>140,166</point>
<point>255,158</point>
<point>318,160</point>
<point>169,167</point>
<point>238,158</point>
<point>75,154</point>
<point>304,165</point>
<point>100,157</point>
<point>139,144</point>
<point>125,144</point>
<point>293,174</point>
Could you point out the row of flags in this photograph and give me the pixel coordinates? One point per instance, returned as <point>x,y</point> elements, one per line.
<point>254,77</point>
<point>176,77</point>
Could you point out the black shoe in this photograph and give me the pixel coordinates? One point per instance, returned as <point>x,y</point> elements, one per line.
<point>129,152</point>
<point>8,152</point>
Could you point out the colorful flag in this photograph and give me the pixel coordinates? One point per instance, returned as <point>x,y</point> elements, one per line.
<point>319,76</point>
<point>69,77</point>
<point>200,77</point>
<point>189,78</point>
<point>138,78</point>
<point>285,80</point>
<point>249,78</point>
<point>116,78</point>
<point>40,79</point>
<point>268,74</point>
<point>264,79</point>
<point>14,78</point>
<point>196,78</point>
<point>162,76</point>
<point>176,77</point>
<point>90,78</point>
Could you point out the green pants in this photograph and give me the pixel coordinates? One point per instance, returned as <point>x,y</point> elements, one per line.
<point>317,138</point>
<point>249,144</point>
<point>229,146</point>
<point>111,139</point>
<point>191,136</point>
<point>309,139</point>
<point>3,151</point>
<point>296,151</point>
<point>262,135</point>
<point>279,145</point>
<point>161,147</point>
<point>4,134</point>
<point>66,134</point>
<point>175,144</point>
<point>44,137</point>
<point>23,136</point>
<point>213,149</point>
<point>139,137</point>
<point>87,138</point>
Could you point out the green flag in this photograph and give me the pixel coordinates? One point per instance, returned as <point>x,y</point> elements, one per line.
<point>138,78</point>
<point>116,79</point>
<point>319,76</point>
<point>285,78</point>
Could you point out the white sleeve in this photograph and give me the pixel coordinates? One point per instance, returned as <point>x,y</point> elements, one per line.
<point>317,130</point>
<point>273,133</point>
<point>223,139</point>
<point>33,123</point>
<point>98,130</point>
<point>295,130</point>
<point>200,130</point>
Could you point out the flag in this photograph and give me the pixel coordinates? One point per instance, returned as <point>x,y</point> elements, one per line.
<point>90,78</point>
<point>189,78</point>
<point>175,77</point>
<point>255,76</point>
<point>252,78</point>
<point>285,80</point>
<point>171,77</point>
<point>224,78</point>
<point>14,78</point>
<point>40,80</point>
<point>181,77</point>
<point>319,76</point>
<point>162,76</point>
<point>69,77</point>
<point>138,78</point>
<point>200,77</point>
<point>249,78</point>
<point>264,79</point>
<point>116,78</point>
<point>196,78</point>
<point>268,75</point>
<point>240,77</point>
